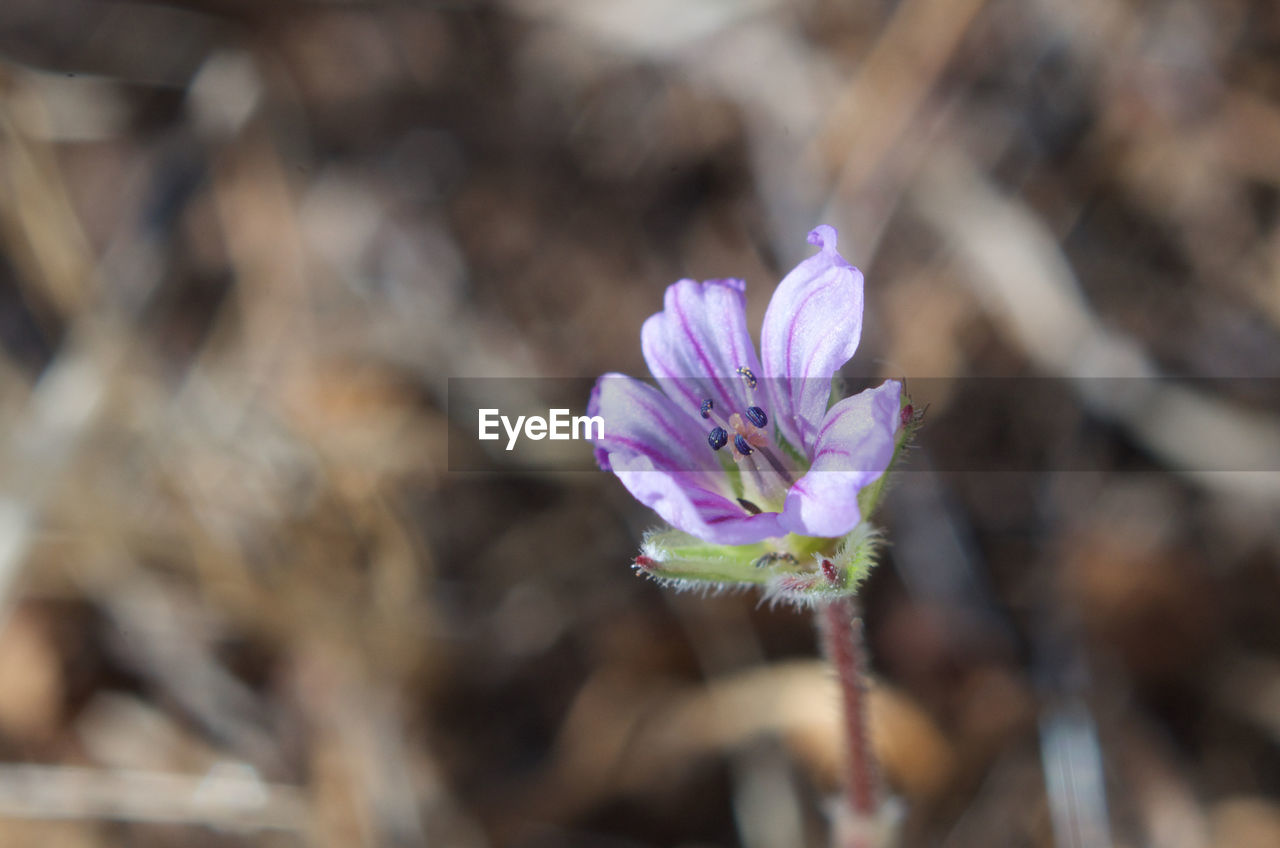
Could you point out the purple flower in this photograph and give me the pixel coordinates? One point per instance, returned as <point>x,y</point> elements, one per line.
<point>737,448</point>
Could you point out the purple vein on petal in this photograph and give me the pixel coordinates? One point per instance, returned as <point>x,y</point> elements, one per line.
<point>699,351</point>
<point>697,343</point>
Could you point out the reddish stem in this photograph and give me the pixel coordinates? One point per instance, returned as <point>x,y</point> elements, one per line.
<point>842,633</point>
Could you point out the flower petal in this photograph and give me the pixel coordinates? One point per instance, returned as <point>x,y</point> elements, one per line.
<point>640,420</point>
<point>853,448</point>
<point>811,328</point>
<point>696,511</point>
<point>662,457</point>
<point>697,343</point>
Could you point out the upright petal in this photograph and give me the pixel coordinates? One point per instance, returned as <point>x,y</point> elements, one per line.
<point>697,343</point>
<point>661,455</point>
<point>852,449</point>
<point>811,328</point>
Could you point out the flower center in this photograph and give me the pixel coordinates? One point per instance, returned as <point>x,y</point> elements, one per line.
<point>751,441</point>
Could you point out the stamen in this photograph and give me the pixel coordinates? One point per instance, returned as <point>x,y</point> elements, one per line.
<point>777,466</point>
<point>750,436</point>
<point>749,506</point>
<point>766,488</point>
<point>755,437</point>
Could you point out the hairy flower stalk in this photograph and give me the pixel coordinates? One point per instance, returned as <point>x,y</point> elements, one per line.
<point>764,477</point>
<point>842,641</point>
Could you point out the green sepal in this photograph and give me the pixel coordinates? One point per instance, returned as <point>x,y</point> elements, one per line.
<point>673,556</point>
<point>829,577</point>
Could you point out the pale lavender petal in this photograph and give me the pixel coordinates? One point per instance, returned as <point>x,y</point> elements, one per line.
<point>640,420</point>
<point>593,409</point>
<point>811,329</point>
<point>707,515</point>
<point>697,343</point>
<point>852,449</point>
<point>661,455</point>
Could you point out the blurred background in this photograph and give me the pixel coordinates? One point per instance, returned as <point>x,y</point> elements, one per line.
<point>244,245</point>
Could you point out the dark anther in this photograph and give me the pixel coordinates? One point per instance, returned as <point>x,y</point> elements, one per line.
<point>718,438</point>
<point>756,416</point>
<point>740,442</point>
<point>745,373</point>
<point>707,406</point>
<point>749,506</point>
